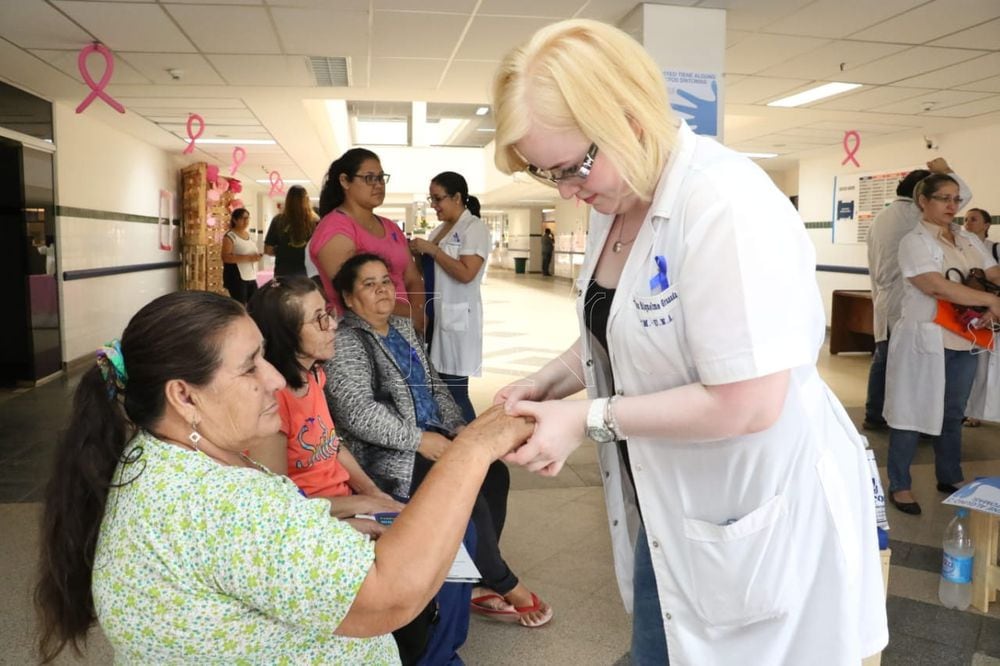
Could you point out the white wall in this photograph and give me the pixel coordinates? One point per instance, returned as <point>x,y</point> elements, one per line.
<point>105,170</point>
<point>971,153</point>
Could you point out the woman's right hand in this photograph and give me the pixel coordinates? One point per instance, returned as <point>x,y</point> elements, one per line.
<point>432,445</point>
<point>498,431</point>
<point>372,528</point>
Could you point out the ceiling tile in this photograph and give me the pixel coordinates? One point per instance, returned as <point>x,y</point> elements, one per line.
<point>940,99</point>
<point>186,103</point>
<point>983,36</point>
<point>128,27</point>
<point>908,63</point>
<point>470,77</point>
<point>218,131</point>
<point>753,89</point>
<point>613,11</point>
<point>759,52</point>
<point>867,98</point>
<point>65,61</point>
<point>992,84</point>
<point>869,127</point>
<point>824,62</point>
<point>550,8</point>
<point>448,6</point>
<point>955,75</point>
<point>215,2</point>
<point>331,5</point>
<point>490,38</point>
<point>838,18</point>
<point>263,70</point>
<point>36,25</point>
<point>322,32</point>
<point>247,29</point>
<point>932,21</point>
<point>971,109</point>
<point>754,14</point>
<point>194,69</point>
<point>406,73</point>
<point>392,34</point>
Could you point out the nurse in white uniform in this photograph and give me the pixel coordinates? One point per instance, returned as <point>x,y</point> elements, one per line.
<point>738,497</point>
<point>931,369</point>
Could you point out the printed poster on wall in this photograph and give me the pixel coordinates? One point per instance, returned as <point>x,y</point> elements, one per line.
<point>695,97</point>
<point>857,199</point>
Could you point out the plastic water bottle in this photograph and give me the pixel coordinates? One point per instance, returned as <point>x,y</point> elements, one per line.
<point>955,588</point>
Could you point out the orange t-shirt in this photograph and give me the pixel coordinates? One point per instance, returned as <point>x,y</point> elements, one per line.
<point>312,443</point>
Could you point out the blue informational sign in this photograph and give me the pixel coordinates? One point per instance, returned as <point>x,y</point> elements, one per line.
<point>695,97</point>
<point>845,210</point>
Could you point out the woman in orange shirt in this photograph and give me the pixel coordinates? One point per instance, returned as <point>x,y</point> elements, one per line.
<point>298,338</point>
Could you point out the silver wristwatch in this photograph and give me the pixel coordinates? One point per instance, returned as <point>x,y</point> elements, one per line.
<point>600,423</point>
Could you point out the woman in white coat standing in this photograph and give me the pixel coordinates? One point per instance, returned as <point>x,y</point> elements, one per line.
<point>738,496</point>
<point>930,368</point>
<point>984,401</point>
<point>454,260</point>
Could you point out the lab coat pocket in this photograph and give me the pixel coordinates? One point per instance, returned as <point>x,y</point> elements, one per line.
<point>929,339</point>
<point>739,571</point>
<point>452,249</point>
<point>455,317</point>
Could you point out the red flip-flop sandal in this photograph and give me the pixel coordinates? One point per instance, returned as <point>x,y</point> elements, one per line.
<point>479,607</point>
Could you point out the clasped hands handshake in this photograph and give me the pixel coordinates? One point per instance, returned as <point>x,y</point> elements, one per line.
<point>522,429</point>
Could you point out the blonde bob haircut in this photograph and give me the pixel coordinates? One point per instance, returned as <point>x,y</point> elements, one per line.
<point>587,76</point>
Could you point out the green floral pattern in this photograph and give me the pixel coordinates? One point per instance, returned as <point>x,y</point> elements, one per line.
<point>200,563</point>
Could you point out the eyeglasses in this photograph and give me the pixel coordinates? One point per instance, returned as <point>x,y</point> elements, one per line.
<point>947,200</point>
<point>556,176</point>
<point>322,320</point>
<point>433,200</point>
<point>372,178</point>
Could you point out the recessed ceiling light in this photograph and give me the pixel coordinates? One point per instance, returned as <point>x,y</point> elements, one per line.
<point>814,94</point>
<point>485,129</point>
<point>482,111</point>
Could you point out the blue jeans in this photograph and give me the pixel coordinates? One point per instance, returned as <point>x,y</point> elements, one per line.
<point>649,642</point>
<point>959,372</point>
<point>876,384</point>
<point>459,389</point>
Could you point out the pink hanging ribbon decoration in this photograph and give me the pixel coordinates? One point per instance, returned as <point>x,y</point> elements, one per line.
<point>97,89</point>
<point>851,152</point>
<point>239,155</point>
<point>277,184</point>
<point>194,137</point>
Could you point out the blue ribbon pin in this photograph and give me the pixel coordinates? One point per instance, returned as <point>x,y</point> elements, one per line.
<point>659,282</point>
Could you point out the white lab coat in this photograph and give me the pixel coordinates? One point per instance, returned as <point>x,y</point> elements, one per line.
<point>457,346</point>
<point>764,546</point>
<point>915,375</point>
<point>887,230</point>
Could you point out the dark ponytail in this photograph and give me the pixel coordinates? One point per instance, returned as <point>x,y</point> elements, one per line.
<point>454,183</point>
<point>332,194</point>
<point>177,336</point>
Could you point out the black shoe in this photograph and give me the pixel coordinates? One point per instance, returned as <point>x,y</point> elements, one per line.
<point>874,425</point>
<point>911,508</point>
<point>948,488</point>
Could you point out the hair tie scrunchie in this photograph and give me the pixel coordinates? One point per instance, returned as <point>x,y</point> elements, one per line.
<point>112,364</point>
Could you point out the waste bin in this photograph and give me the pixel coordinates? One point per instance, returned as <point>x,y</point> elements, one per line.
<point>520,265</point>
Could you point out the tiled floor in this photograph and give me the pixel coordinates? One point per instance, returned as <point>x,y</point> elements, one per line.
<point>556,537</point>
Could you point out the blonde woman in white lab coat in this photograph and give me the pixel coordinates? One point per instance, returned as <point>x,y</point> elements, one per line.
<point>700,315</point>
<point>930,369</point>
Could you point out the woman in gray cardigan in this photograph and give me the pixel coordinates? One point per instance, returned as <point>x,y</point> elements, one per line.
<point>397,417</point>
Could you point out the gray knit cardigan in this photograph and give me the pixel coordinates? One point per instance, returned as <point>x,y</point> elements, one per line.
<point>371,403</point>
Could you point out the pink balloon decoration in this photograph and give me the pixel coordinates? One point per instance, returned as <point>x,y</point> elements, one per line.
<point>213,195</point>
<point>212,173</point>
<point>97,89</point>
<point>194,136</point>
<point>211,221</point>
<point>222,184</point>
<point>235,186</point>
<point>235,203</point>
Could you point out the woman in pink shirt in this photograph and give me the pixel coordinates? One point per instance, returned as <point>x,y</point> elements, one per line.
<point>353,188</point>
